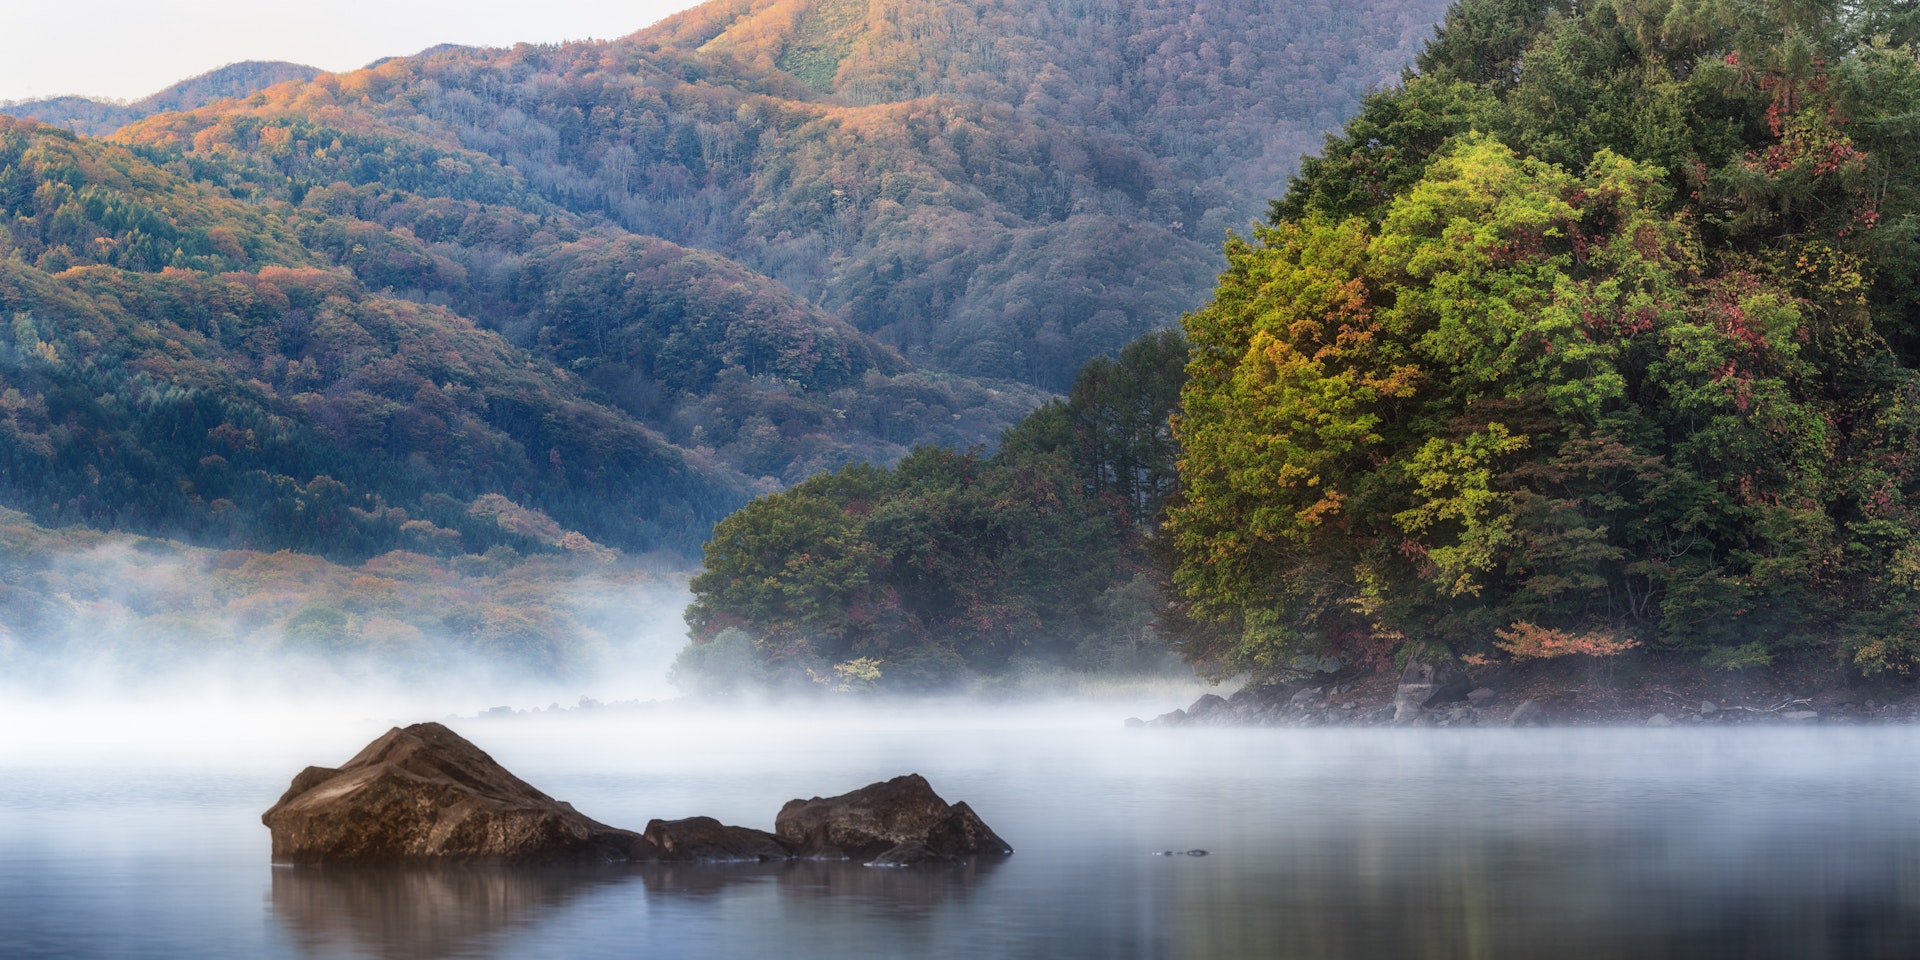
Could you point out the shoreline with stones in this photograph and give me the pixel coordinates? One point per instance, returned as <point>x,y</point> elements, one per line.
<point>1648,690</point>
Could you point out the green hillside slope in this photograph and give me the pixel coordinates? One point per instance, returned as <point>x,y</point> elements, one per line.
<point>996,190</point>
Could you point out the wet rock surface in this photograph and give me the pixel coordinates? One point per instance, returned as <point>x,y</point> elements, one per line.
<point>706,840</point>
<point>868,824</point>
<point>424,792</point>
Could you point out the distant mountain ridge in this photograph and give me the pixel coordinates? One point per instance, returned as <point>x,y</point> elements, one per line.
<point>99,118</point>
<point>626,285</point>
<point>996,190</point>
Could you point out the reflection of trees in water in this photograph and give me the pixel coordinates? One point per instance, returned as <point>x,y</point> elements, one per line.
<point>430,912</point>
<point>1608,892</point>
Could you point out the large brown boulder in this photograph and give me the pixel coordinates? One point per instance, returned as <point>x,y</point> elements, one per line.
<point>709,840</point>
<point>876,819</point>
<point>425,792</point>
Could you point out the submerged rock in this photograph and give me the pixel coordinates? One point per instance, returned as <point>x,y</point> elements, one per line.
<point>425,792</point>
<point>708,840</point>
<point>912,853</point>
<point>870,823</point>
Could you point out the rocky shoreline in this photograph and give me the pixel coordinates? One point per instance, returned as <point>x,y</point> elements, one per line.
<point>1649,693</point>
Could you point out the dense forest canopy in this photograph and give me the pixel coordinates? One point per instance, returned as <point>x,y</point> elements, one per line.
<point>953,564</point>
<point>627,285</point>
<point>999,190</point>
<point>1600,330</point>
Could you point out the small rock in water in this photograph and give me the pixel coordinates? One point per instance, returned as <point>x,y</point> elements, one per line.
<point>1799,715</point>
<point>1659,720</point>
<point>875,823</point>
<point>1708,706</point>
<point>1195,852</point>
<point>706,840</point>
<point>1528,712</point>
<point>1135,722</point>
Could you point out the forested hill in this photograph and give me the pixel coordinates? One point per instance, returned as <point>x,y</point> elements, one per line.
<point>102,117</point>
<point>177,362</point>
<point>1602,332</point>
<point>626,285</point>
<point>996,190</point>
<point>1598,336</point>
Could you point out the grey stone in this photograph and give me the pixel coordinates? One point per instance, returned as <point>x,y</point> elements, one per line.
<point>1425,684</point>
<point>1799,715</point>
<point>1207,707</point>
<point>1659,720</point>
<point>1708,706</point>
<point>1482,696</point>
<point>1409,701</point>
<point>1528,713</point>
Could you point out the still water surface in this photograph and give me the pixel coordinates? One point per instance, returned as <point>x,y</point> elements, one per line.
<point>1637,843</point>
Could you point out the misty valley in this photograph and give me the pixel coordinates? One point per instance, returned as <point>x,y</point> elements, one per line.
<point>976,478</point>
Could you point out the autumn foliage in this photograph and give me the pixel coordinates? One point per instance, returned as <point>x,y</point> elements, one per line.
<point>1526,641</point>
<point>1599,330</point>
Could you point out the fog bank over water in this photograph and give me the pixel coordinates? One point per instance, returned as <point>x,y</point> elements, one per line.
<point>129,827</point>
<point>87,616</point>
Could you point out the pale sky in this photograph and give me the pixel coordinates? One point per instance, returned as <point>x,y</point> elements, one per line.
<point>127,49</point>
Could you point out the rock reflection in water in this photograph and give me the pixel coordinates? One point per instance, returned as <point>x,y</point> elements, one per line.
<point>434,912</point>
<point>422,912</point>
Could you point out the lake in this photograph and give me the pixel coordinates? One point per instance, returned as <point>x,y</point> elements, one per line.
<point>138,836</point>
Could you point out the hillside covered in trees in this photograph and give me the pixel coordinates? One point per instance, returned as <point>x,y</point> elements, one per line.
<point>627,284</point>
<point>953,565</point>
<point>1597,333</point>
<point>996,190</point>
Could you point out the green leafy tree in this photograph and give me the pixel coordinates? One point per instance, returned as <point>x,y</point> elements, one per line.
<point>1592,332</point>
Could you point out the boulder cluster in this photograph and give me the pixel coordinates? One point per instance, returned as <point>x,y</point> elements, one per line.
<point>426,793</point>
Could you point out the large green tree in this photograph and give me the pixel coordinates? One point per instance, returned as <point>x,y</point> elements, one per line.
<point>1594,330</point>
